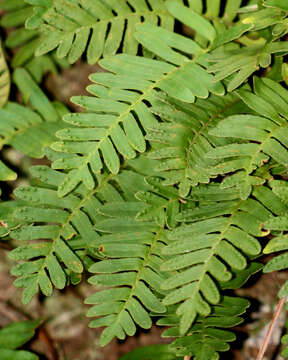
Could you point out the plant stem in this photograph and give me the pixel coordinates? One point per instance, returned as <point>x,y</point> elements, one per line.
<point>270,330</point>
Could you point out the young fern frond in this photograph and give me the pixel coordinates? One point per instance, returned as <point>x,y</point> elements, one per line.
<point>27,130</point>
<point>265,136</point>
<point>99,26</point>
<point>185,139</point>
<point>222,230</point>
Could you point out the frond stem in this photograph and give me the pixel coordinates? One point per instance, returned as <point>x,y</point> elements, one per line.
<point>270,330</point>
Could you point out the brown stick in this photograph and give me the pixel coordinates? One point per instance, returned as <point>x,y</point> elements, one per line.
<point>270,330</point>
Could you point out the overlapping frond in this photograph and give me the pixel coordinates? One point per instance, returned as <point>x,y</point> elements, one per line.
<point>236,63</point>
<point>208,336</point>
<point>117,117</point>
<point>223,229</point>
<point>64,228</point>
<point>103,27</point>
<point>130,272</point>
<point>24,40</point>
<point>185,138</point>
<point>260,137</point>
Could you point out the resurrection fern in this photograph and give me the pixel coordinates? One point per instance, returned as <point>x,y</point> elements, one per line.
<point>29,130</point>
<point>208,336</point>
<point>169,185</point>
<point>185,138</point>
<point>102,27</point>
<point>266,131</point>
<point>23,42</point>
<point>13,337</point>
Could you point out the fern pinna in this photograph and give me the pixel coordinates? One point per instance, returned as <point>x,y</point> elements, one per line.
<point>168,184</point>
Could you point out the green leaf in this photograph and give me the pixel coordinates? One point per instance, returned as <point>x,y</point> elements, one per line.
<point>97,26</point>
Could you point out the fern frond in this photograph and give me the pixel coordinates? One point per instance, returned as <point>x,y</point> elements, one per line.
<point>131,271</point>
<point>66,226</point>
<point>117,116</point>
<point>208,336</point>
<point>203,252</point>
<point>256,53</point>
<point>24,40</point>
<point>185,138</point>
<point>29,131</point>
<point>260,137</point>
<point>99,26</point>
<point>14,336</point>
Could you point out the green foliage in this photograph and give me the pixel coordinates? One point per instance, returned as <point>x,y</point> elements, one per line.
<point>98,25</point>
<point>29,128</point>
<point>208,336</point>
<point>13,337</point>
<point>25,40</point>
<point>171,182</point>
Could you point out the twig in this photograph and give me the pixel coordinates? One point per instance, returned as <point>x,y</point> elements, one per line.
<point>270,330</point>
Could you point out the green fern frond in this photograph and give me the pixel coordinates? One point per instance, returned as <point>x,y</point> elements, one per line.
<point>208,335</point>
<point>204,252</point>
<point>29,130</point>
<point>24,40</point>
<point>185,138</point>
<point>14,336</point>
<point>130,271</point>
<point>65,223</point>
<point>260,137</point>
<point>100,26</point>
<point>255,53</point>
<point>116,118</point>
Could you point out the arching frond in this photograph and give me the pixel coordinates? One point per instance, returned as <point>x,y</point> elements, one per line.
<point>100,26</point>
<point>223,229</point>
<point>28,130</point>
<point>264,135</point>
<point>117,117</point>
<point>185,138</point>
<point>208,336</point>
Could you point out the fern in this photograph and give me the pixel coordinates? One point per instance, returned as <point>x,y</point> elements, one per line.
<point>25,40</point>
<point>14,336</point>
<point>208,336</point>
<point>218,240</point>
<point>266,131</point>
<point>131,268</point>
<point>29,131</point>
<point>88,20</point>
<point>185,138</point>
